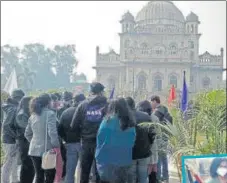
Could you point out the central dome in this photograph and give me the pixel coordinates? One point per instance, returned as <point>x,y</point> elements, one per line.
<point>159,10</point>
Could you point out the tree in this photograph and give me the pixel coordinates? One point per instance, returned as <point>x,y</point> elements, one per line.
<point>39,59</point>
<point>10,59</point>
<point>64,63</point>
<point>26,79</point>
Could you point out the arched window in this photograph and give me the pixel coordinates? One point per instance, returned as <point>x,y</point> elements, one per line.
<point>126,27</point>
<point>159,50</point>
<point>173,80</point>
<point>188,30</point>
<point>192,29</point>
<point>144,48</point>
<point>157,83</point>
<point>191,44</point>
<point>141,82</point>
<point>196,29</point>
<point>111,83</point>
<point>206,83</point>
<point>173,50</point>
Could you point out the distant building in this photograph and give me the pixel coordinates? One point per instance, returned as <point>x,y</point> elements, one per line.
<point>155,48</point>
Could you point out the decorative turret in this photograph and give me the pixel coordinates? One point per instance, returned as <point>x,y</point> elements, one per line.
<point>192,22</point>
<point>127,22</point>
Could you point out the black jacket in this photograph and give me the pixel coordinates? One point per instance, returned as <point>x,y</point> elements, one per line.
<point>164,117</point>
<point>145,136</point>
<point>163,114</point>
<point>8,126</point>
<point>21,123</point>
<point>64,129</point>
<point>82,124</point>
<point>61,110</point>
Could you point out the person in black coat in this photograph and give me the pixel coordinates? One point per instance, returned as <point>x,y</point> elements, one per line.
<point>67,102</point>
<point>145,136</point>
<point>27,172</point>
<point>72,141</point>
<point>85,124</point>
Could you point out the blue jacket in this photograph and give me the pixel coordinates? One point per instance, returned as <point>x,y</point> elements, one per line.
<point>114,146</point>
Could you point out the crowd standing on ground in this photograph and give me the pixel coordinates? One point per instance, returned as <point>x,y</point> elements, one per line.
<point>104,137</point>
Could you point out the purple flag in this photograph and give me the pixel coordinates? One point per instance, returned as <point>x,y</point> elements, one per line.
<point>112,93</point>
<point>184,96</point>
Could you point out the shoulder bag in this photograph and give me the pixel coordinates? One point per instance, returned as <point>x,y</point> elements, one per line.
<point>49,158</point>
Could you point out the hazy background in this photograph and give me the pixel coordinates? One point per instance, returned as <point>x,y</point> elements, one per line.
<point>88,24</point>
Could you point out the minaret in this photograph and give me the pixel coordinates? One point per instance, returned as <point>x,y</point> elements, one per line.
<point>192,23</point>
<point>127,22</point>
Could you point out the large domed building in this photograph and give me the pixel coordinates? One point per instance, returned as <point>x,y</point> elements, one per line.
<point>156,47</point>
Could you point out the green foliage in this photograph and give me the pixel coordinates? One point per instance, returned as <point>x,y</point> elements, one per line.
<point>204,133</point>
<point>34,65</point>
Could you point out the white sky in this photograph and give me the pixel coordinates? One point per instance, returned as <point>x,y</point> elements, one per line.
<point>88,24</point>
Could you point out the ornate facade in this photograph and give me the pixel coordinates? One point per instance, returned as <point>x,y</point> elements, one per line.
<point>156,48</point>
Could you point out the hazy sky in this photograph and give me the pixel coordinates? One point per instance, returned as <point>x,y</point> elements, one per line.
<point>88,24</point>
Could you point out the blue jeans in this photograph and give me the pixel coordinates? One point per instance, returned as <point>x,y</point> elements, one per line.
<point>72,155</point>
<point>116,174</point>
<point>139,170</point>
<point>163,170</point>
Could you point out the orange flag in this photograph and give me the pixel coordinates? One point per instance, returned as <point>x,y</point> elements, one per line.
<point>172,95</point>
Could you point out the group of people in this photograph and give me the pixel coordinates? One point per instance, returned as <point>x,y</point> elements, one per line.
<point>113,139</point>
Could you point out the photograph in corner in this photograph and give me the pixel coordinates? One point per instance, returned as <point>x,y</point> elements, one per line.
<point>204,169</point>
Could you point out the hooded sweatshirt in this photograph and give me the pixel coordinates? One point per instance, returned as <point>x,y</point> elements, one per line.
<point>88,117</point>
<point>114,146</point>
<point>8,127</point>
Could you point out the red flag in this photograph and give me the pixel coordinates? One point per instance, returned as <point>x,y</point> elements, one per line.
<point>172,95</point>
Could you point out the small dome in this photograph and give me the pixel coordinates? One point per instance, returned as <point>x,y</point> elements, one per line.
<point>192,17</point>
<point>160,10</point>
<point>128,16</point>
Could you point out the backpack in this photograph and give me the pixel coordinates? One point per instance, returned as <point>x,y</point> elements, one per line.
<point>94,113</point>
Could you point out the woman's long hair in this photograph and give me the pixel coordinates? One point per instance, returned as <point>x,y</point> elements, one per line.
<point>120,108</point>
<point>39,103</point>
<point>24,105</point>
